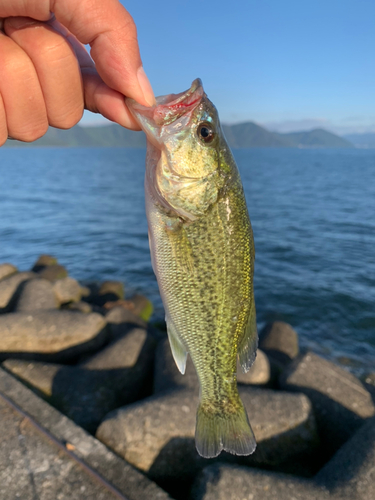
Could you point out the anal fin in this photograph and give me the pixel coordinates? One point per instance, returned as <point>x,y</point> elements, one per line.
<point>178,350</point>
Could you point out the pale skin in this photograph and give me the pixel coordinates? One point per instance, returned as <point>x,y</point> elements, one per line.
<point>48,78</point>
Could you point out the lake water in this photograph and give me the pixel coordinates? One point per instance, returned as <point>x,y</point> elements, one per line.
<point>312,213</point>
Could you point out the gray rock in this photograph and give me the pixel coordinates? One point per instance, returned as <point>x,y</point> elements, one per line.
<point>369,383</point>
<point>85,291</point>
<point>119,374</point>
<point>80,306</point>
<point>259,373</point>
<point>340,401</point>
<point>120,321</point>
<point>7,270</point>
<point>9,286</point>
<point>279,340</point>
<point>284,427</point>
<point>36,295</point>
<point>112,287</point>
<point>67,290</point>
<point>224,482</point>
<point>135,347</point>
<point>119,315</point>
<point>138,305</point>
<point>350,474</point>
<point>53,335</point>
<point>107,293</point>
<point>139,432</point>
<point>35,374</point>
<point>32,466</point>
<point>53,272</point>
<point>370,378</point>
<point>157,434</point>
<point>141,306</point>
<point>44,261</point>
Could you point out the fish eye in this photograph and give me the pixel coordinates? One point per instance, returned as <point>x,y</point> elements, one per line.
<point>206,132</point>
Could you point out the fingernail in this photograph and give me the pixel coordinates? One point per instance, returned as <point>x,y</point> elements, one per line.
<point>145,85</point>
<point>20,22</point>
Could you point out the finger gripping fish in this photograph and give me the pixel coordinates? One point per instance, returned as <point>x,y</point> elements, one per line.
<point>202,253</point>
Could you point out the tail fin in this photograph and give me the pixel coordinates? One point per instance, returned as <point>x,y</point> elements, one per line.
<point>231,432</point>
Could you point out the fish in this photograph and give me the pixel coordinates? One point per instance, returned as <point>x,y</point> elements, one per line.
<point>202,253</point>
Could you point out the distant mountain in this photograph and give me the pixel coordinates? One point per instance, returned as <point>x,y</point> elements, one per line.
<point>317,138</point>
<point>361,140</point>
<point>104,136</point>
<point>241,135</point>
<point>251,135</point>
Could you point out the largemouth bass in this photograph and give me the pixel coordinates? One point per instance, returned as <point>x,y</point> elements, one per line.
<point>202,253</point>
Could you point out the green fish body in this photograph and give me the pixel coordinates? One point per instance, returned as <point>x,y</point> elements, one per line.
<point>202,252</point>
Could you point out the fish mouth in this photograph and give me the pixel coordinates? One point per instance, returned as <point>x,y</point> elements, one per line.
<point>168,109</point>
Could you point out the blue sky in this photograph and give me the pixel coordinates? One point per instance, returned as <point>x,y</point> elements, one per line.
<point>285,64</point>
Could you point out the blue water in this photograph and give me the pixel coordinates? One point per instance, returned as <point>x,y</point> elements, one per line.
<point>312,213</point>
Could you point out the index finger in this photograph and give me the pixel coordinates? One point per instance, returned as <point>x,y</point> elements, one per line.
<point>110,31</point>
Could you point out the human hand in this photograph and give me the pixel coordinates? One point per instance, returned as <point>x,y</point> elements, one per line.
<point>48,78</point>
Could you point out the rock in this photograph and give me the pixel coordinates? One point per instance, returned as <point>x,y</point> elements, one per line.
<point>350,474</point>
<point>284,427</point>
<point>7,270</point>
<point>109,291</point>
<point>340,401</point>
<point>80,306</point>
<point>369,378</point>
<point>33,466</point>
<point>138,305</point>
<point>67,290</point>
<point>120,321</point>
<point>279,340</point>
<point>141,306</point>
<point>35,374</point>
<point>136,347</point>
<point>36,295</point>
<point>166,373</point>
<point>85,291</point>
<point>119,315</point>
<point>91,289</point>
<point>53,272</point>
<point>43,261</point>
<point>140,431</point>
<point>157,435</point>
<point>369,383</point>
<point>118,375</point>
<point>112,287</point>
<point>224,482</point>
<point>9,286</point>
<point>52,335</point>
<point>259,373</point>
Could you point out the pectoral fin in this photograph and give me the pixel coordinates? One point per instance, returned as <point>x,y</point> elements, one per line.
<point>249,342</point>
<point>178,350</point>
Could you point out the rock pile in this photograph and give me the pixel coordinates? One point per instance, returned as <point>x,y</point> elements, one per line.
<point>90,352</point>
